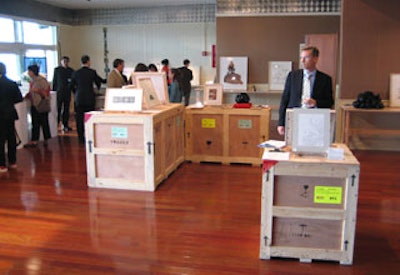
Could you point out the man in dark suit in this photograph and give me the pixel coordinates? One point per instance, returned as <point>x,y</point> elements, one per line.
<point>319,83</point>
<point>9,95</point>
<point>61,81</point>
<point>186,77</point>
<point>82,83</point>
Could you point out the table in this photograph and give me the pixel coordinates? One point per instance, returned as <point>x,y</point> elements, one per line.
<point>371,128</point>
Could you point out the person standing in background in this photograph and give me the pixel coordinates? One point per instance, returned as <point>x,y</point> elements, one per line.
<point>186,76</point>
<point>165,68</point>
<point>152,68</point>
<point>82,82</point>
<point>39,88</point>
<point>61,81</point>
<point>295,94</point>
<point>175,91</point>
<point>9,95</point>
<point>116,79</point>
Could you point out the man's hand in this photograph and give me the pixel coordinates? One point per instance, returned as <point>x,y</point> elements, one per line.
<point>281,130</point>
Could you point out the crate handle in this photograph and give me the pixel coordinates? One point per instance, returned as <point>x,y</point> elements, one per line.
<point>90,146</point>
<point>149,147</point>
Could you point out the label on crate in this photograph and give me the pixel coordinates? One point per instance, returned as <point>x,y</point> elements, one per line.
<point>119,132</point>
<point>208,123</point>
<point>328,194</point>
<point>244,123</point>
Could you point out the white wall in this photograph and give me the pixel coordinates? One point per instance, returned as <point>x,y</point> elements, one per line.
<point>146,43</point>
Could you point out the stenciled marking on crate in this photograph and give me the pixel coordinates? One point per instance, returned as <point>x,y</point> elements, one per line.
<point>119,135</point>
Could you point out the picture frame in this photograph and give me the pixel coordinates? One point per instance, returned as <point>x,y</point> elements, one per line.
<point>212,94</point>
<point>394,90</point>
<point>233,72</point>
<point>123,100</point>
<point>150,96</point>
<point>311,131</point>
<point>277,74</point>
<point>159,83</point>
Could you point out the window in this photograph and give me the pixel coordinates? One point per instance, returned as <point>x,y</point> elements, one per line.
<point>7,32</point>
<point>22,43</point>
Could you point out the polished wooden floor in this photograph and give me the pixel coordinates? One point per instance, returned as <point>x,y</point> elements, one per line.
<point>204,219</point>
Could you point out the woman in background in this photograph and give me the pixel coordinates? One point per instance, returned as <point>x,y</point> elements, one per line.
<point>175,92</point>
<point>38,86</point>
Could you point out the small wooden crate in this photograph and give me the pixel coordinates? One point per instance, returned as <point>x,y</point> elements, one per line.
<point>134,151</point>
<point>309,208</point>
<point>225,134</point>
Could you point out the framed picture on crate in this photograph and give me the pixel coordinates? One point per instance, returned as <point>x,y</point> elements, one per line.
<point>123,100</point>
<point>158,85</point>
<point>311,131</point>
<point>213,94</point>
<point>233,72</point>
<point>394,90</point>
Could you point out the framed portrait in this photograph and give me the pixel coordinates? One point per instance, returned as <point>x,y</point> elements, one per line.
<point>159,85</point>
<point>233,72</point>
<point>213,94</point>
<point>311,131</point>
<point>394,90</point>
<point>277,73</point>
<point>123,100</point>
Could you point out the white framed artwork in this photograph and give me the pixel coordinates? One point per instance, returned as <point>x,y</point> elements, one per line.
<point>213,94</point>
<point>277,74</point>
<point>394,90</point>
<point>233,72</point>
<point>311,131</point>
<point>123,100</point>
<point>159,85</point>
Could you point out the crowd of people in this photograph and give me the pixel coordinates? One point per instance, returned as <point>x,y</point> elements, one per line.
<point>65,82</point>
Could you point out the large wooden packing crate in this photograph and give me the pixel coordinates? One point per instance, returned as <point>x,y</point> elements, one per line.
<point>309,208</point>
<point>134,151</point>
<point>225,134</point>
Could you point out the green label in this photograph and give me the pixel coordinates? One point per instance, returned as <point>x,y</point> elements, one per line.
<point>244,124</point>
<point>328,194</point>
<point>119,132</point>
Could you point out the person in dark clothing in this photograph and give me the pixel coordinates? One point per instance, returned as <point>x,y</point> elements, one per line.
<point>9,95</point>
<point>82,84</point>
<point>61,81</point>
<point>186,76</point>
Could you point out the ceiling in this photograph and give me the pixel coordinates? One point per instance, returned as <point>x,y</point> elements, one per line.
<point>117,4</point>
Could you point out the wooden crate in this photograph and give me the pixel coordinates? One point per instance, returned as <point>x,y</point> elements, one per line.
<point>134,151</point>
<point>225,134</point>
<point>309,208</point>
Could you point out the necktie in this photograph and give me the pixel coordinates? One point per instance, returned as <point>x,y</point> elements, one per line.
<point>306,90</point>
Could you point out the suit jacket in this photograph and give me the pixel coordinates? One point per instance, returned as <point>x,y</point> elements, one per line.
<point>291,97</point>
<point>82,83</point>
<point>62,80</point>
<point>116,79</point>
<point>9,95</point>
<point>186,77</point>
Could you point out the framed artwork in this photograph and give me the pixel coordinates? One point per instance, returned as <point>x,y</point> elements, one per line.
<point>278,71</point>
<point>311,131</point>
<point>394,90</point>
<point>233,72</point>
<point>159,84</point>
<point>123,100</point>
<point>213,94</point>
<point>150,96</point>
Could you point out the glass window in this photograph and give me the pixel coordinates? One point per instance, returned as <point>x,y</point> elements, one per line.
<point>12,65</point>
<point>7,30</point>
<point>37,34</point>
